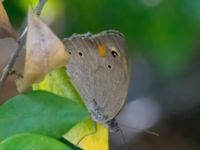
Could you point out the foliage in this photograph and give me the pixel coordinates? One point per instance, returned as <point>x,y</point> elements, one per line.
<point>32,141</point>
<point>39,112</point>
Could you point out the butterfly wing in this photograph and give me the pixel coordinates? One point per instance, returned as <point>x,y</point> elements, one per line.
<point>98,68</point>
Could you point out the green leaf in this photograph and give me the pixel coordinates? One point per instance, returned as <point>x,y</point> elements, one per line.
<point>32,142</point>
<point>40,112</point>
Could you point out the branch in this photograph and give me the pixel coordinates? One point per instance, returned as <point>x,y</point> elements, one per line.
<point>21,41</point>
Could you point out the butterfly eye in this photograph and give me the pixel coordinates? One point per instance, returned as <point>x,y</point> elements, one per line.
<point>80,54</point>
<point>70,52</point>
<point>114,54</point>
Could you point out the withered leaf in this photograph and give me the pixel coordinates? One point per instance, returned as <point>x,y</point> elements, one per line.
<point>44,52</point>
<point>6,29</point>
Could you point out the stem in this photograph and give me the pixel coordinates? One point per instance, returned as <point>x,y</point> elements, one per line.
<point>21,41</point>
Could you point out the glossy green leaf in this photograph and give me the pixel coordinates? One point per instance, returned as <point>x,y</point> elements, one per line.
<point>40,112</point>
<point>32,142</point>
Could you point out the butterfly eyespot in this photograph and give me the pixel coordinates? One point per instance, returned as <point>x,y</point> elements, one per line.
<point>109,66</point>
<point>80,54</point>
<point>70,52</point>
<point>114,54</point>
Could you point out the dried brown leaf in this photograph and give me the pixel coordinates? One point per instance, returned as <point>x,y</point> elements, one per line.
<point>44,52</point>
<point>6,29</point>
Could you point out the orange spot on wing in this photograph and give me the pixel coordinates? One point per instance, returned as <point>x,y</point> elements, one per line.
<point>101,50</point>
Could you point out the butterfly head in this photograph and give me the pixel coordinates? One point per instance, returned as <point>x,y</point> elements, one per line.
<point>113,125</point>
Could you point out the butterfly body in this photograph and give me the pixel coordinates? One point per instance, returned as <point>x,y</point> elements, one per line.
<point>98,68</point>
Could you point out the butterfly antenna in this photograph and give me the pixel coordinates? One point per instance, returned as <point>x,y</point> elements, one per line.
<point>122,135</point>
<point>151,133</point>
<point>93,132</point>
<point>145,131</point>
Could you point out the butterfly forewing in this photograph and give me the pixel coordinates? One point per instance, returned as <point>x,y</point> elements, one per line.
<point>98,68</point>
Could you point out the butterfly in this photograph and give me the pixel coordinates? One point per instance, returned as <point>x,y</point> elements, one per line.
<point>98,68</point>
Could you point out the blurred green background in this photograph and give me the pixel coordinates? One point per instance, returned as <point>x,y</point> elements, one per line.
<point>163,38</point>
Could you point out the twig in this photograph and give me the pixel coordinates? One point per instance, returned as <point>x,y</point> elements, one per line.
<point>8,68</point>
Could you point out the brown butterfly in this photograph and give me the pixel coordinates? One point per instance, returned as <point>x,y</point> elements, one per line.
<point>98,68</point>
